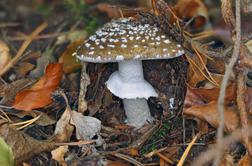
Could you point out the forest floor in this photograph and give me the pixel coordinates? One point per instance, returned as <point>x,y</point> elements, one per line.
<point>55,110</point>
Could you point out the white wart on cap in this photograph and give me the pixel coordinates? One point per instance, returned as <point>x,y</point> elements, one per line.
<point>126,39</point>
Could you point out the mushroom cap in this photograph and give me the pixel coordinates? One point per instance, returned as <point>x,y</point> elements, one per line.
<point>127,39</point>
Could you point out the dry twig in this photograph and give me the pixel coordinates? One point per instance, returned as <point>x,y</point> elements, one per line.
<point>182,159</point>
<point>224,83</point>
<point>23,48</point>
<point>127,158</point>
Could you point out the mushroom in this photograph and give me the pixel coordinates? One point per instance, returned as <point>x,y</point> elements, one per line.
<point>128,42</point>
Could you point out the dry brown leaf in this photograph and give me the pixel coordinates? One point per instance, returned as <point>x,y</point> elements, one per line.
<point>23,146</point>
<point>59,153</point>
<point>110,10</point>
<point>63,130</point>
<point>69,62</point>
<point>133,152</point>
<point>227,160</point>
<point>216,65</point>
<point>195,70</point>
<point>26,164</point>
<point>217,77</point>
<point>23,68</point>
<point>210,114</point>
<point>245,161</point>
<point>8,92</point>
<point>44,119</point>
<point>4,54</point>
<point>249,46</point>
<point>39,95</point>
<point>199,96</point>
<point>188,9</point>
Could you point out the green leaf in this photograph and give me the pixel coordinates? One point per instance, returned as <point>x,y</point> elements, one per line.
<point>6,155</point>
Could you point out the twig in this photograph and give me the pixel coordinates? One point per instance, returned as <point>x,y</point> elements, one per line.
<point>127,158</point>
<point>9,24</point>
<point>150,154</point>
<point>25,123</point>
<point>1,79</point>
<point>23,48</point>
<point>164,158</point>
<point>84,82</point>
<point>6,107</point>
<point>6,116</point>
<point>74,143</point>
<point>224,83</point>
<point>185,154</point>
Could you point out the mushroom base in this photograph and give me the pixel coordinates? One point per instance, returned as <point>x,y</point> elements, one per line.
<point>137,112</point>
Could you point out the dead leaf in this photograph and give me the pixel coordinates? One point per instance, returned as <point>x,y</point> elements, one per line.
<point>216,65</point>
<point>188,9</point>
<point>196,70</point>
<point>249,46</point>
<point>201,96</point>
<point>63,130</point>
<point>69,62</point>
<point>44,119</point>
<point>86,126</point>
<point>133,152</point>
<point>245,160</point>
<point>110,10</point>
<point>39,95</point>
<point>209,113</point>
<point>26,164</point>
<point>217,77</point>
<point>227,160</point>
<point>23,146</point>
<point>59,153</point>
<point>23,68</point>
<point>8,92</point>
<point>4,54</point>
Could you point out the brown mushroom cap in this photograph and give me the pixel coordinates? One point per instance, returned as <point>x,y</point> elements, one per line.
<point>126,39</point>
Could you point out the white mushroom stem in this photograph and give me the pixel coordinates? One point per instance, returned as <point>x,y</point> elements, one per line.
<point>131,71</point>
<point>137,112</point>
<point>128,83</point>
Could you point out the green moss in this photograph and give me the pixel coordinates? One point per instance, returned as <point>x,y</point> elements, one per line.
<point>157,139</point>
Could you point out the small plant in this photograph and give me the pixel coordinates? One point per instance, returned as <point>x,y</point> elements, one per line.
<point>157,138</point>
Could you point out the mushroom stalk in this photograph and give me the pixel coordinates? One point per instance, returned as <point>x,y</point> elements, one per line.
<point>131,71</point>
<point>128,83</point>
<point>137,112</point>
